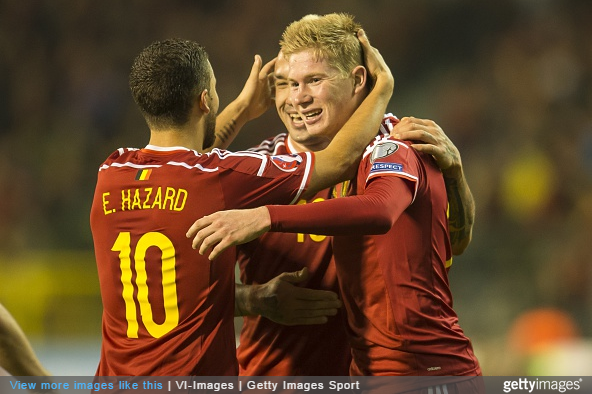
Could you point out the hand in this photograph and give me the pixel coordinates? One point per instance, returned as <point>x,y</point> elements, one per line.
<point>282,301</point>
<point>461,203</point>
<point>224,229</point>
<point>375,64</point>
<point>257,94</point>
<point>435,143</point>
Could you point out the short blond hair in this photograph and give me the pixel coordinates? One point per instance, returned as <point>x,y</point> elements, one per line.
<point>332,37</point>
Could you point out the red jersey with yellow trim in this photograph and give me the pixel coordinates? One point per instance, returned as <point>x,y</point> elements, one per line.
<point>268,348</point>
<point>395,286</point>
<point>166,309</point>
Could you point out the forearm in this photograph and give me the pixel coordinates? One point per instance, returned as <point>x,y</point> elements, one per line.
<point>461,213</point>
<point>375,212</point>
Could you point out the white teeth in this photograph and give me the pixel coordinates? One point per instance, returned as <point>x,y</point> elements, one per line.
<point>297,117</point>
<point>312,114</point>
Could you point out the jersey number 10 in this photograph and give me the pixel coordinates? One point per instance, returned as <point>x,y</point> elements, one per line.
<point>169,287</point>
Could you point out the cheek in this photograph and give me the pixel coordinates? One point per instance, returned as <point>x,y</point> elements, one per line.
<point>340,102</point>
<point>280,100</point>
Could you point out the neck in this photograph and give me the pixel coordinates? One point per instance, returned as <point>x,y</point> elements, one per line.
<point>190,135</point>
<point>168,138</point>
<point>299,147</point>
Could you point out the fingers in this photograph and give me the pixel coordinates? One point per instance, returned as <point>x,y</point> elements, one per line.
<point>205,236</point>
<point>424,130</point>
<point>262,73</point>
<point>294,277</point>
<point>256,66</point>
<point>429,149</point>
<point>323,297</point>
<point>363,38</point>
<point>196,227</point>
<point>268,68</point>
<point>415,135</point>
<point>311,314</point>
<point>216,251</point>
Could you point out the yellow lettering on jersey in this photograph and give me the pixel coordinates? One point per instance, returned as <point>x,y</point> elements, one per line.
<point>180,204</point>
<point>136,204</point>
<point>125,200</point>
<point>169,196</point>
<point>314,237</point>
<point>149,198</point>
<point>157,199</point>
<point>105,203</point>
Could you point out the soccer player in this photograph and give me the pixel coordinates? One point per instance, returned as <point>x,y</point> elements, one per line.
<point>393,281</point>
<point>166,309</point>
<point>290,330</point>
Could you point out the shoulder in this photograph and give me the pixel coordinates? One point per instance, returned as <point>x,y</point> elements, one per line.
<point>120,153</point>
<point>119,156</point>
<point>272,146</point>
<point>384,146</point>
<point>389,121</point>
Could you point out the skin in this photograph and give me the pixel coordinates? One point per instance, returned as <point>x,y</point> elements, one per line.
<point>17,357</point>
<point>313,101</point>
<point>254,99</point>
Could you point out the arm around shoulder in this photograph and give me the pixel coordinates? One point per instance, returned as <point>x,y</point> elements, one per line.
<point>338,161</point>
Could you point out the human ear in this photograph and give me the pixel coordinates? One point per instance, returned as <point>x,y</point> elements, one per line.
<point>360,75</point>
<point>204,99</point>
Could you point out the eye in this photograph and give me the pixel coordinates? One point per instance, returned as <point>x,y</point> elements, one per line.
<point>281,84</point>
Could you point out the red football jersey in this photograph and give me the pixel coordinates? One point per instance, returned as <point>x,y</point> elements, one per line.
<point>166,309</point>
<point>268,348</point>
<point>395,286</point>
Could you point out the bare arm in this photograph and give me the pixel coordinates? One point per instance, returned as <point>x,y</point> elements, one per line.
<point>338,162</point>
<point>252,102</point>
<point>428,137</point>
<point>281,300</point>
<point>16,354</point>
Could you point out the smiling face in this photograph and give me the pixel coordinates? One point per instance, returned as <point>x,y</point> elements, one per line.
<point>313,99</point>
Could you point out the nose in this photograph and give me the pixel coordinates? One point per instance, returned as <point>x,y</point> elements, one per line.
<point>300,95</point>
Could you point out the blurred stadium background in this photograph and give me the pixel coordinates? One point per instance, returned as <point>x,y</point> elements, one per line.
<point>509,81</point>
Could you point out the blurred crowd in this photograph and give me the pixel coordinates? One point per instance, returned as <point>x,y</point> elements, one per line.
<point>509,81</point>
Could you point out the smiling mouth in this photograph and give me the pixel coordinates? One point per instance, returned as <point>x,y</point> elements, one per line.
<point>307,116</point>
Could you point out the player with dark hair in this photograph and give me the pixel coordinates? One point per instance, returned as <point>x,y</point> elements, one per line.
<point>166,309</point>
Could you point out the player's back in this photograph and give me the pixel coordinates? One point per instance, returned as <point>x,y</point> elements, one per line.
<point>167,309</point>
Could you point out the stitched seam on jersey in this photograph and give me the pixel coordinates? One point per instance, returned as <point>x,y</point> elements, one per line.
<point>190,167</point>
<point>304,178</point>
<point>105,166</point>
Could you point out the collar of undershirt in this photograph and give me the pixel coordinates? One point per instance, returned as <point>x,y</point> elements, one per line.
<point>163,150</point>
